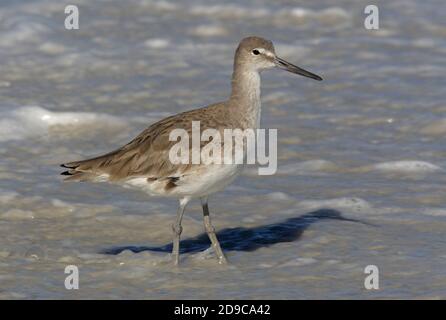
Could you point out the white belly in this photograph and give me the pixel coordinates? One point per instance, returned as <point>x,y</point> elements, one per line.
<point>197,183</point>
<point>210,180</point>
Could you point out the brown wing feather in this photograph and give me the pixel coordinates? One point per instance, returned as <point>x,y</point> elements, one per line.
<point>148,153</point>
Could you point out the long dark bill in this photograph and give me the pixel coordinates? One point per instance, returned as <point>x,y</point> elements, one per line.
<point>285,65</point>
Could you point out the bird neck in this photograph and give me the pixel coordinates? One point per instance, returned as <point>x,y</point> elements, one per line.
<point>245,96</point>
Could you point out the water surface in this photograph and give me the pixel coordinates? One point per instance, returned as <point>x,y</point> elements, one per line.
<point>361,155</point>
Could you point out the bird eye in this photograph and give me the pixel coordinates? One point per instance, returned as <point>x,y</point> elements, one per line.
<point>255,52</point>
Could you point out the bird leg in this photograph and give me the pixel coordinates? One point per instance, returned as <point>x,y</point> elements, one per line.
<point>210,230</point>
<point>177,229</point>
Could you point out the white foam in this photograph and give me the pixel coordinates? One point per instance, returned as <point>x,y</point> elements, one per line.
<point>354,204</point>
<point>157,43</point>
<point>328,12</point>
<point>307,167</point>
<point>28,121</point>
<point>333,12</point>
<point>278,196</point>
<point>232,10</point>
<point>160,5</point>
<point>62,204</point>
<point>209,31</point>
<point>300,12</point>
<point>407,166</point>
<point>17,214</point>
<point>52,48</point>
<point>436,212</point>
<point>298,262</point>
<point>21,29</point>
<point>228,11</point>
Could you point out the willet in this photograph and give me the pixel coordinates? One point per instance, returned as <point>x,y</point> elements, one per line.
<point>144,162</point>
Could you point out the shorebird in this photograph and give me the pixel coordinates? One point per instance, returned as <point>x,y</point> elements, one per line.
<point>144,162</point>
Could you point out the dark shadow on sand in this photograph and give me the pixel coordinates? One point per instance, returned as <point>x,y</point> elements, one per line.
<point>247,239</point>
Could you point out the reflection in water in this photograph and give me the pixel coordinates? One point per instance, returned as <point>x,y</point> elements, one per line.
<point>247,239</point>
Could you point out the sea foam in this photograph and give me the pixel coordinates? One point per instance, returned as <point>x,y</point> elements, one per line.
<point>406,166</point>
<point>32,121</point>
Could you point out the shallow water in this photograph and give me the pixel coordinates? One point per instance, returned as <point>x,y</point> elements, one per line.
<point>361,169</point>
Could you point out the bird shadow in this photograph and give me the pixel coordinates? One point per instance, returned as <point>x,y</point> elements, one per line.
<point>247,239</point>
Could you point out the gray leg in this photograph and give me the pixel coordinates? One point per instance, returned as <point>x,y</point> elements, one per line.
<point>210,230</point>
<point>177,229</point>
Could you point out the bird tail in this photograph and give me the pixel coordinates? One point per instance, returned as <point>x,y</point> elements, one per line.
<point>82,170</point>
